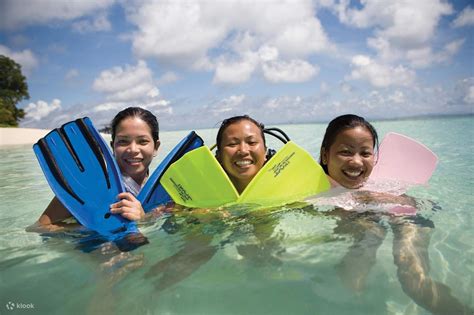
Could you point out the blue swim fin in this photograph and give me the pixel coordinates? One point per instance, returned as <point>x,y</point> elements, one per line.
<point>83,174</point>
<point>153,194</point>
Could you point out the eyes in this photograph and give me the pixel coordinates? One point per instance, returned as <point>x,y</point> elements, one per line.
<point>121,142</point>
<point>235,142</point>
<point>346,152</point>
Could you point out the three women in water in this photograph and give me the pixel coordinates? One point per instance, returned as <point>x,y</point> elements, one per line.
<point>347,156</point>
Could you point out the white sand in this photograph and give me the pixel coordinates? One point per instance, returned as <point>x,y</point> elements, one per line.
<point>15,136</point>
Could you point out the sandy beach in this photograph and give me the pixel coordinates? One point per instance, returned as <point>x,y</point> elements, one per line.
<point>16,136</point>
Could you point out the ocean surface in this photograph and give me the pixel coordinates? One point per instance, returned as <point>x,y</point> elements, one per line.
<point>302,258</point>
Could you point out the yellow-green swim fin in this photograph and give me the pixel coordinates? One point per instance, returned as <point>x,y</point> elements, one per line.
<point>198,180</point>
<point>291,174</point>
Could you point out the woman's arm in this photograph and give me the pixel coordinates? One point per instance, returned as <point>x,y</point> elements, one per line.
<point>55,212</point>
<point>52,219</point>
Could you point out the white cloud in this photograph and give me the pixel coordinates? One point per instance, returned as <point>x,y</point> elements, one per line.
<point>124,84</point>
<point>268,53</point>
<point>380,75</point>
<point>26,58</point>
<point>180,31</point>
<point>302,38</point>
<point>402,30</point>
<point>128,86</point>
<point>234,72</point>
<point>469,98</point>
<point>17,14</point>
<point>41,109</point>
<point>168,77</point>
<point>346,88</point>
<point>397,97</point>
<point>284,104</point>
<point>404,23</point>
<point>465,18</point>
<point>225,36</point>
<point>99,23</point>
<point>227,105</point>
<point>71,74</point>
<point>424,57</point>
<point>109,106</point>
<point>292,71</point>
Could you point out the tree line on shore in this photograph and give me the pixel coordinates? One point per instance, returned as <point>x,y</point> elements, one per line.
<point>13,89</point>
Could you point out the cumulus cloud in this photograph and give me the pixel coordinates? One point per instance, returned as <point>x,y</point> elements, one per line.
<point>465,18</point>
<point>125,84</point>
<point>41,109</point>
<point>15,14</point>
<point>402,30</point>
<point>380,75</point>
<point>424,57</point>
<point>469,98</point>
<point>235,71</point>
<point>233,38</point>
<point>168,77</point>
<point>397,97</point>
<point>404,23</point>
<point>99,23</point>
<point>292,71</point>
<point>26,58</point>
<point>128,86</point>
<point>227,105</point>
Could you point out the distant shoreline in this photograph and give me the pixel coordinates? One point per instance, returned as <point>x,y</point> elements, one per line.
<point>20,136</point>
<point>23,136</point>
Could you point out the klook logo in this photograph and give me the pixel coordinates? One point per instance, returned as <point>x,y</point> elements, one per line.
<point>10,306</point>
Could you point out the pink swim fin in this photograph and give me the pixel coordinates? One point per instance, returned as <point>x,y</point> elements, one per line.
<point>404,159</point>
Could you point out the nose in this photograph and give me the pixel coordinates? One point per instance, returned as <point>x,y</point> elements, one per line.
<point>133,147</point>
<point>243,148</point>
<point>357,160</point>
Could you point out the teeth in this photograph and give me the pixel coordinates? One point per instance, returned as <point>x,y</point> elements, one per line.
<point>134,160</point>
<point>353,173</point>
<point>243,163</point>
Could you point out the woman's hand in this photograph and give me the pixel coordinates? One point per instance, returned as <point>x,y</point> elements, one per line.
<point>128,207</point>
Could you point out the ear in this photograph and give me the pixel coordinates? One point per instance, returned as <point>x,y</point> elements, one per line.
<point>324,156</point>
<point>218,156</point>
<point>157,145</point>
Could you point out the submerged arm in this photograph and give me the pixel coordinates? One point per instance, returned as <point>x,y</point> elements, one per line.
<point>52,219</point>
<point>410,253</point>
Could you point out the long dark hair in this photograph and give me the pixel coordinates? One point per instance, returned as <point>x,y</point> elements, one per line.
<point>141,113</point>
<point>339,124</point>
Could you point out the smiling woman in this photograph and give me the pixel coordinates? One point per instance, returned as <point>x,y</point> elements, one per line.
<point>241,149</point>
<point>347,151</point>
<point>135,142</point>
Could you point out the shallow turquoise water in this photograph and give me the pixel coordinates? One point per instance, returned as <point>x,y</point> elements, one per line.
<point>283,261</point>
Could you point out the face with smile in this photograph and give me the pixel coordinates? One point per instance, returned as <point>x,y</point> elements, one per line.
<point>134,147</point>
<point>241,152</point>
<point>350,159</point>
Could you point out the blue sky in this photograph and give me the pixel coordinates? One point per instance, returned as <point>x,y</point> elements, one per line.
<point>194,63</point>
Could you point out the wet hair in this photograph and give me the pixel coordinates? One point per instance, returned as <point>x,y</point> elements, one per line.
<point>232,120</point>
<point>339,124</point>
<point>138,112</point>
